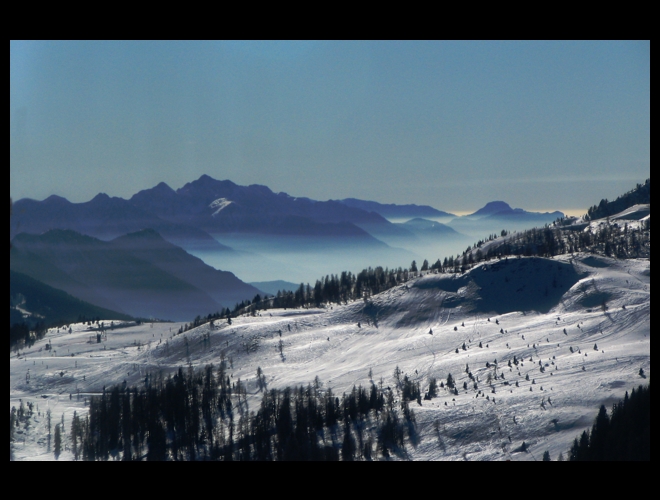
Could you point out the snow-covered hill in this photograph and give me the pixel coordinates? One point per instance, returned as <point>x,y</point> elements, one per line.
<point>581,336</point>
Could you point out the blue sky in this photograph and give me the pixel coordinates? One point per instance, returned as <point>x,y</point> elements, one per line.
<point>541,125</point>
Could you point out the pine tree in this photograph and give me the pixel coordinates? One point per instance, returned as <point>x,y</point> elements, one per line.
<point>574,452</point>
<point>599,435</point>
<point>348,446</point>
<point>433,387</point>
<point>12,424</point>
<point>57,446</point>
<point>580,449</point>
<point>74,435</point>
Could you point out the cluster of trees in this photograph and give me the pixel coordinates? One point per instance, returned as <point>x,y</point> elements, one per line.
<point>17,417</point>
<point>20,421</point>
<point>347,286</point>
<point>491,237</point>
<point>342,288</point>
<point>641,194</point>
<point>84,319</point>
<point>21,335</point>
<point>613,240</point>
<point>626,435</point>
<point>203,415</point>
<point>200,320</point>
<point>544,242</point>
<point>410,389</point>
<point>337,289</point>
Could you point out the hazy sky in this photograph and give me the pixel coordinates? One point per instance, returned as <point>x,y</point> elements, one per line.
<point>541,125</point>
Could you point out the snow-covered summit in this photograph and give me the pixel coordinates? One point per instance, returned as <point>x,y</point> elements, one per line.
<point>219,204</point>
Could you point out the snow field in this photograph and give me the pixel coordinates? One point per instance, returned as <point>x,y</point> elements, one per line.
<point>394,331</point>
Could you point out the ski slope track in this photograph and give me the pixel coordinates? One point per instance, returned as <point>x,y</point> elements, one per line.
<point>579,326</point>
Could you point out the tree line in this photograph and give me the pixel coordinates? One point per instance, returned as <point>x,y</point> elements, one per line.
<point>625,435</point>
<point>21,335</point>
<point>617,240</point>
<point>641,194</point>
<point>203,415</point>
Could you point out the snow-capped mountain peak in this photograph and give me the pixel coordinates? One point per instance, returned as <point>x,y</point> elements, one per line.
<point>219,205</point>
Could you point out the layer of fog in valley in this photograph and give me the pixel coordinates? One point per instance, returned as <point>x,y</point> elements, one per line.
<point>267,258</point>
<point>264,257</point>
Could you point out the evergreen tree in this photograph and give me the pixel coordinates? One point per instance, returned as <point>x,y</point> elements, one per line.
<point>433,387</point>
<point>599,435</point>
<point>348,446</point>
<point>57,444</point>
<point>624,436</point>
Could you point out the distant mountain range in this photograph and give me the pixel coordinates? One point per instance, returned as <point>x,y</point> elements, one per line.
<point>210,218</point>
<point>139,274</point>
<point>502,210</point>
<point>498,215</point>
<point>219,207</point>
<point>105,218</point>
<point>190,217</point>
<point>391,211</point>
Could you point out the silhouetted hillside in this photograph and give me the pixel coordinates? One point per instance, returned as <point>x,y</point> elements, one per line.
<point>641,194</point>
<point>37,306</point>
<point>139,274</point>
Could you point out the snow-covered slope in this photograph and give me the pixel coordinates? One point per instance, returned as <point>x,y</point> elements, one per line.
<point>581,335</point>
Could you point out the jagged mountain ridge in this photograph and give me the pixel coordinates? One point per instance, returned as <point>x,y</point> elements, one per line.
<point>207,205</point>
<point>269,231</point>
<point>188,216</point>
<point>103,217</point>
<point>224,207</point>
